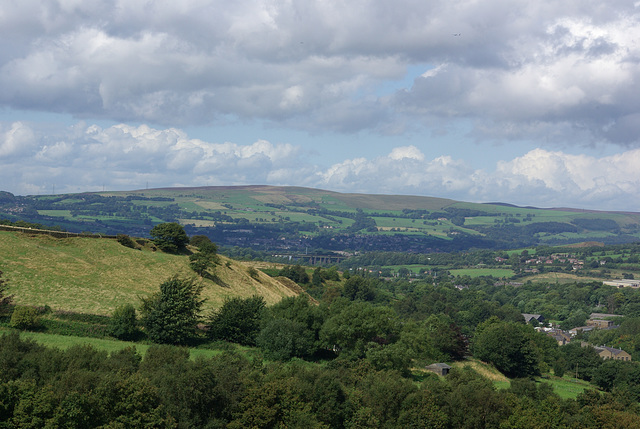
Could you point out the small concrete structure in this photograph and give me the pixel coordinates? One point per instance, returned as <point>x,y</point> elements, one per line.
<point>438,368</point>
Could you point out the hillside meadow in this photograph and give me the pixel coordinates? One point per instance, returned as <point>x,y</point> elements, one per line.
<point>95,276</point>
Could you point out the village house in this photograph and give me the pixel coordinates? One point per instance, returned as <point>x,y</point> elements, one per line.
<point>578,329</point>
<point>561,337</point>
<point>611,353</point>
<point>603,315</point>
<point>600,323</point>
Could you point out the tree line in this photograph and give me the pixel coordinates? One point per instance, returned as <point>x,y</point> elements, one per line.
<point>82,387</point>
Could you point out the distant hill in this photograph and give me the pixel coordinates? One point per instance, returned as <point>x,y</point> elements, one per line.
<point>290,220</point>
<point>96,275</point>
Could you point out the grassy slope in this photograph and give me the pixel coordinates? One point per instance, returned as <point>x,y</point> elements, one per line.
<point>565,387</point>
<point>96,275</point>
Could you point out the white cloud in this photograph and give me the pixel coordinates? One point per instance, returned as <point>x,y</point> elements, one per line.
<point>410,152</point>
<point>539,177</point>
<point>17,140</point>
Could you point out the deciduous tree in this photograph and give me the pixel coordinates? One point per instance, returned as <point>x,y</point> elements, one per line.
<point>238,320</point>
<point>201,263</point>
<point>509,346</point>
<point>169,237</point>
<point>282,339</point>
<point>171,315</point>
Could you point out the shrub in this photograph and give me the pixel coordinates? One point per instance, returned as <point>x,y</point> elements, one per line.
<point>253,273</point>
<point>25,318</point>
<point>5,300</point>
<point>123,323</point>
<point>126,241</point>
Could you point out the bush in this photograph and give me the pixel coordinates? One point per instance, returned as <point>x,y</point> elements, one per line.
<point>126,241</point>
<point>282,339</point>
<point>5,300</point>
<point>123,323</point>
<point>25,318</point>
<point>253,273</point>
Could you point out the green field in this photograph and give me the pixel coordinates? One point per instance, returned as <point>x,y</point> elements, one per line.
<point>479,272</point>
<point>567,387</point>
<point>108,345</point>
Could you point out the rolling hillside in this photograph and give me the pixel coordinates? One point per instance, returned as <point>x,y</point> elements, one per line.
<point>96,275</point>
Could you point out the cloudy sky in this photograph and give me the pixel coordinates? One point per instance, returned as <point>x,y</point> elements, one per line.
<point>525,102</point>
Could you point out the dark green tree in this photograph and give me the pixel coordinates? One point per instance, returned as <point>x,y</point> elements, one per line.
<point>435,339</point>
<point>509,346</point>
<point>420,410</point>
<point>559,366</point>
<point>358,288</point>
<point>201,263</point>
<point>307,317</point>
<point>316,278</point>
<point>199,240</point>
<point>356,324</point>
<point>581,361</point>
<point>238,320</point>
<point>282,339</point>
<point>169,237</point>
<point>170,316</point>
<point>123,323</point>
<point>296,273</point>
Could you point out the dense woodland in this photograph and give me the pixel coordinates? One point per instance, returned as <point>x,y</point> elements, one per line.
<point>351,352</point>
<point>82,387</point>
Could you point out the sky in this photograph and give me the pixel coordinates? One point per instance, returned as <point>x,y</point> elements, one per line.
<point>529,103</point>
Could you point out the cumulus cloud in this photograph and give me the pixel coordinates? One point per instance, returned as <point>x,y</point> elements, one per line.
<point>518,69</point>
<point>540,177</point>
<point>34,160</point>
<point>19,139</point>
<point>128,157</point>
